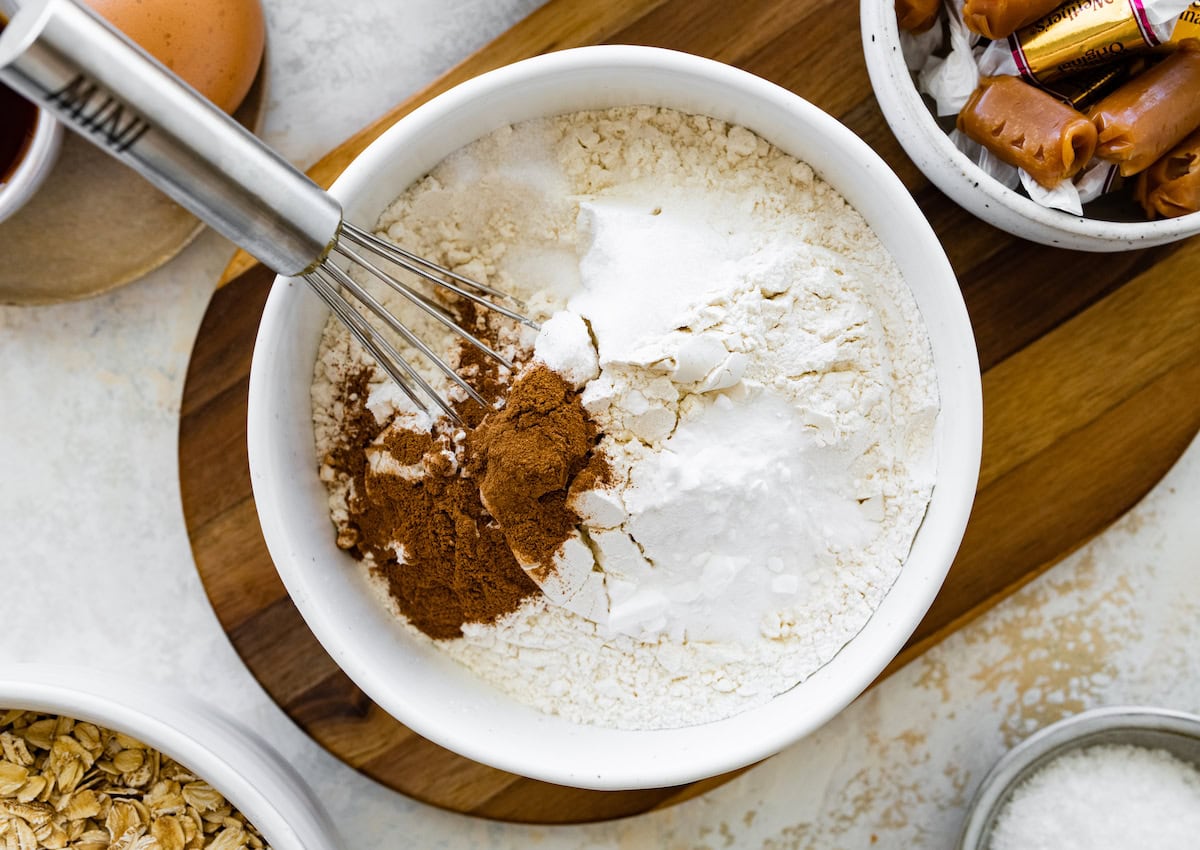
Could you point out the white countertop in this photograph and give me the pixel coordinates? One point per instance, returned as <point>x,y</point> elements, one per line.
<point>97,569</point>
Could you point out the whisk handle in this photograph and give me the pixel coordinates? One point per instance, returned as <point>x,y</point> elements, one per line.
<point>64,57</point>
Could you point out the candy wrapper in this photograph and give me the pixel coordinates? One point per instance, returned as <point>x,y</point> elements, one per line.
<point>950,80</point>
<point>1083,34</point>
<point>1098,179</point>
<point>1001,172</point>
<point>918,47</point>
<point>1064,196</point>
<point>1188,26</point>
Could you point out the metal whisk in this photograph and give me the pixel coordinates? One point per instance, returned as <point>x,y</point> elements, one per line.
<point>64,57</point>
<point>352,244</point>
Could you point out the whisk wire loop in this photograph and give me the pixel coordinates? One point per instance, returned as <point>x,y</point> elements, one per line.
<point>429,306</point>
<point>402,371</point>
<point>381,249</point>
<point>391,251</point>
<point>392,362</point>
<point>369,301</point>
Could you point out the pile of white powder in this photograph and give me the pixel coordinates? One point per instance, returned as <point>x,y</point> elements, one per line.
<point>762,379</point>
<point>1111,797</point>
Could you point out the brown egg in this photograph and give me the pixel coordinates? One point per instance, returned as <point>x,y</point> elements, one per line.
<point>215,45</point>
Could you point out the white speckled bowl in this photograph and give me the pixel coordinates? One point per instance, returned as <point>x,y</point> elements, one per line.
<point>418,684</point>
<point>954,173</point>
<point>241,766</point>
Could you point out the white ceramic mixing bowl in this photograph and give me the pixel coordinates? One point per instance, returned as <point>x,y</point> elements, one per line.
<point>247,771</point>
<point>966,183</point>
<point>419,685</point>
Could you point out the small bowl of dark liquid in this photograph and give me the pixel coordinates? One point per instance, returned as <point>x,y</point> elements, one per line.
<point>16,130</point>
<point>29,143</point>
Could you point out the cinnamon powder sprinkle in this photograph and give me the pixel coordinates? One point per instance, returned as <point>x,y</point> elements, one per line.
<point>501,489</point>
<point>525,458</point>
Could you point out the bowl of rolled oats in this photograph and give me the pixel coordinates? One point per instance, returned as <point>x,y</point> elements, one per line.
<point>91,763</point>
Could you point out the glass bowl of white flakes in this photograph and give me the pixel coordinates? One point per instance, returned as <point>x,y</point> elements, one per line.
<point>93,761</point>
<point>723,483</point>
<point>1118,776</point>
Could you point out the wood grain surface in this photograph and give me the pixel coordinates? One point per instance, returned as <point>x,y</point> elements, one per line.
<point>1091,387</point>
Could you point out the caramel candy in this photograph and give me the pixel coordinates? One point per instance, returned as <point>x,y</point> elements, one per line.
<point>1079,35</point>
<point>917,15</point>
<point>1171,187</point>
<point>1152,113</point>
<point>1001,18</point>
<point>1029,129</point>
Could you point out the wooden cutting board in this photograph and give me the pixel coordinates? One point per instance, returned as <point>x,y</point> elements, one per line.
<point>1091,391</point>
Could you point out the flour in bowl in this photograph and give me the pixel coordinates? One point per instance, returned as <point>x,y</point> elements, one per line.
<point>757,401</point>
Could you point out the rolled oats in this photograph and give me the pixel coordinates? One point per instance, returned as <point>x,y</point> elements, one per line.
<point>68,784</point>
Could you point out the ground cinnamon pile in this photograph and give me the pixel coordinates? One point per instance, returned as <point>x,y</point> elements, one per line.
<point>440,520</point>
<point>525,457</point>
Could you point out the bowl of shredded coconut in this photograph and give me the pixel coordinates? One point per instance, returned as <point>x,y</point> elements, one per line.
<point>723,481</point>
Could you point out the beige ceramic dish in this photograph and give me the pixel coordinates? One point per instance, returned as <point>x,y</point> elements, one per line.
<point>94,225</point>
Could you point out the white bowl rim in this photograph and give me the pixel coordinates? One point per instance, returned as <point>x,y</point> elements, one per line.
<point>242,767</point>
<point>966,183</point>
<point>655,766</point>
